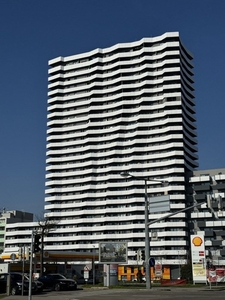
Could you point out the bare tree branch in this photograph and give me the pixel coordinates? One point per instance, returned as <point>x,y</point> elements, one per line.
<point>45,225</point>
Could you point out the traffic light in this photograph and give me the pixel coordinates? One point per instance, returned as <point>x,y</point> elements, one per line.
<point>138,255</point>
<point>20,253</point>
<point>209,202</point>
<point>143,255</point>
<point>27,253</point>
<point>37,243</point>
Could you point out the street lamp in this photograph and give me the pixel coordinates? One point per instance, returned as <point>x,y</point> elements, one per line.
<point>147,239</point>
<point>93,265</point>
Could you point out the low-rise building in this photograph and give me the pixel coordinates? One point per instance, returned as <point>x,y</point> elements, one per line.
<point>209,219</point>
<point>12,217</point>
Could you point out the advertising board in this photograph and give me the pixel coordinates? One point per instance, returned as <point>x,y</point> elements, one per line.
<point>113,252</point>
<point>198,258</point>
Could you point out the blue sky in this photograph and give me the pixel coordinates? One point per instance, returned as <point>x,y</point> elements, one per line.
<point>33,32</point>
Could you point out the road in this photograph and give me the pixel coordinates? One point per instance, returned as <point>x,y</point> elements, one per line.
<point>130,294</point>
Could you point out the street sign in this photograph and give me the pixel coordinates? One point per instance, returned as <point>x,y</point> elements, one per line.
<point>151,262</point>
<point>159,204</point>
<point>86,275</point>
<point>158,269</point>
<point>13,256</point>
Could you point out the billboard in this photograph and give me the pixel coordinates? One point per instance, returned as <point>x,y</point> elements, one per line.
<point>198,258</point>
<point>216,274</point>
<point>113,252</point>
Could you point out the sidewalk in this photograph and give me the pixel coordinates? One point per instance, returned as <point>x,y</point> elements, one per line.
<point>47,295</point>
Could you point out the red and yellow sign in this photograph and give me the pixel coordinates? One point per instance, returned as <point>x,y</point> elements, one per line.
<point>198,258</point>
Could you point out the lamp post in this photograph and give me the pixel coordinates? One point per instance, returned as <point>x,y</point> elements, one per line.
<point>93,266</point>
<point>147,239</point>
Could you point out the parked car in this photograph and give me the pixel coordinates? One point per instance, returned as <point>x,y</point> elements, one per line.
<point>57,282</point>
<point>39,285</point>
<point>3,282</point>
<point>17,281</point>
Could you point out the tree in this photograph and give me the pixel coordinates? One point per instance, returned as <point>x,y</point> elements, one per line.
<point>139,276</point>
<point>186,272</point>
<point>45,225</point>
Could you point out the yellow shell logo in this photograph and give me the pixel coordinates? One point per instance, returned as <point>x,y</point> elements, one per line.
<point>197,241</point>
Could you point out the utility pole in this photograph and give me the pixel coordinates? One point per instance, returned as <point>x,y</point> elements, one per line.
<point>42,253</point>
<point>147,239</point>
<point>31,266</point>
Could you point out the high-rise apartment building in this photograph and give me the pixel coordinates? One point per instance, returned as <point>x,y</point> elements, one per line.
<point>129,107</point>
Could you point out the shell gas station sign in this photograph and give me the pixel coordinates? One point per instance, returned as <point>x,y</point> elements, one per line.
<point>198,258</point>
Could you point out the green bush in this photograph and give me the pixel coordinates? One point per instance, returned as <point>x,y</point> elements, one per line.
<point>186,273</point>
